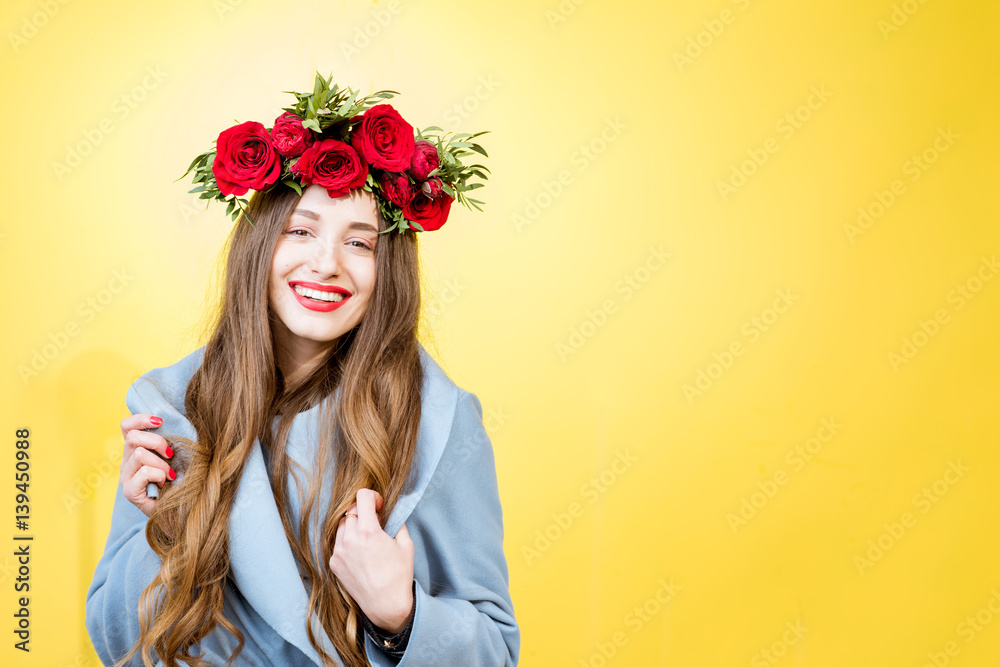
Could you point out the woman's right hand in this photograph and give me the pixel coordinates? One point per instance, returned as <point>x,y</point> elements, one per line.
<point>140,463</point>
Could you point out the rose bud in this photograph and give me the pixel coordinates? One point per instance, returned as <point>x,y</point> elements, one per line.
<point>431,187</point>
<point>424,160</point>
<point>396,188</point>
<point>288,135</point>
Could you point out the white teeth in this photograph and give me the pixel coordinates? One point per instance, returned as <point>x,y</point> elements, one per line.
<point>316,294</point>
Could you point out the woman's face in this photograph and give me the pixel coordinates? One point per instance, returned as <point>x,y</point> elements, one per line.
<point>323,271</point>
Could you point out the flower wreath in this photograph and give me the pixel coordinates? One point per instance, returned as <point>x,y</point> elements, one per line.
<point>340,141</point>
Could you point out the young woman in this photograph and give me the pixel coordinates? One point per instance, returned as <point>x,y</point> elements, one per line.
<point>310,488</point>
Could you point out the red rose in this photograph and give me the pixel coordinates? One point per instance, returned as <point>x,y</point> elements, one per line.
<point>396,188</point>
<point>384,138</point>
<point>332,164</point>
<point>424,160</point>
<point>431,187</point>
<point>429,213</point>
<point>244,159</point>
<point>288,135</point>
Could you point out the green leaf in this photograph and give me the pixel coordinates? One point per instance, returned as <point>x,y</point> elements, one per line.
<point>346,106</point>
<point>294,186</point>
<point>311,124</point>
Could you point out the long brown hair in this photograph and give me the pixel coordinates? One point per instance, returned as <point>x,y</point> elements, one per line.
<point>369,432</point>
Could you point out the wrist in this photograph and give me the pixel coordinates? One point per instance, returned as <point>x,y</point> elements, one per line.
<point>396,623</point>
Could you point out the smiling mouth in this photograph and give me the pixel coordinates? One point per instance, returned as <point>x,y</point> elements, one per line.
<point>316,295</point>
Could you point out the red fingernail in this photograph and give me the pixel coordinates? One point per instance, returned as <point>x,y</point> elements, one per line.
<point>155,421</point>
<point>171,474</point>
<point>170,452</point>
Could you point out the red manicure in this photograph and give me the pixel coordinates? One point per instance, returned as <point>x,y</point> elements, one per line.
<point>171,474</point>
<point>170,452</point>
<point>155,421</point>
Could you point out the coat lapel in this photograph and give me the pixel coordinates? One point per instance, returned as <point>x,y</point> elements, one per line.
<point>437,412</point>
<point>262,563</point>
<point>261,560</point>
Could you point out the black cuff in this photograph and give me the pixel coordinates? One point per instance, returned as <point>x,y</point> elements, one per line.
<point>393,645</point>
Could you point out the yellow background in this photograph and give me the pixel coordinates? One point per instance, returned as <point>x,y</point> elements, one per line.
<point>509,288</point>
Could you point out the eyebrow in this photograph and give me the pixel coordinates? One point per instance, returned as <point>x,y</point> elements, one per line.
<point>362,226</point>
<point>357,224</point>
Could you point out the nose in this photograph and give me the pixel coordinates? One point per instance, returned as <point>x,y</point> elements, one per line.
<point>325,260</point>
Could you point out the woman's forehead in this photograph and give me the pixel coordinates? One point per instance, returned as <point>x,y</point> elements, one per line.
<point>316,203</point>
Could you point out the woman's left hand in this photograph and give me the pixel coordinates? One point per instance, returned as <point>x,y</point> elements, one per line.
<point>377,570</point>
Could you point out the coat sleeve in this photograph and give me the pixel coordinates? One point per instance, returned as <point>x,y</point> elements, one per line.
<point>463,613</point>
<point>124,571</point>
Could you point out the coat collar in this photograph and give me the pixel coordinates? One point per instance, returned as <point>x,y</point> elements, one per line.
<point>261,560</point>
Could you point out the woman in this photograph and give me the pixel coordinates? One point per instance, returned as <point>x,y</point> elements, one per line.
<point>328,495</point>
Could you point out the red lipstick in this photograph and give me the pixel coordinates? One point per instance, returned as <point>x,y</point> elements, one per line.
<point>313,304</point>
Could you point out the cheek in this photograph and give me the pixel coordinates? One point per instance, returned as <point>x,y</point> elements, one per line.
<point>276,284</point>
<point>368,275</point>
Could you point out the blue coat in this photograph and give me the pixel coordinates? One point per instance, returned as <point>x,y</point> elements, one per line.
<point>464,614</point>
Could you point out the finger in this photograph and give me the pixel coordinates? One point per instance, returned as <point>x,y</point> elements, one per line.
<point>135,488</point>
<point>140,421</point>
<point>403,540</point>
<point>144,439</point>
<point>337,553</point>
<point>379,502</point>
<point>342,524</point>
<point>367,517</point>
<point>142,457</point>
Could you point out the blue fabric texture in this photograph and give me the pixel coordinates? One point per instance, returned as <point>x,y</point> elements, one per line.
<point>463,613</point>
